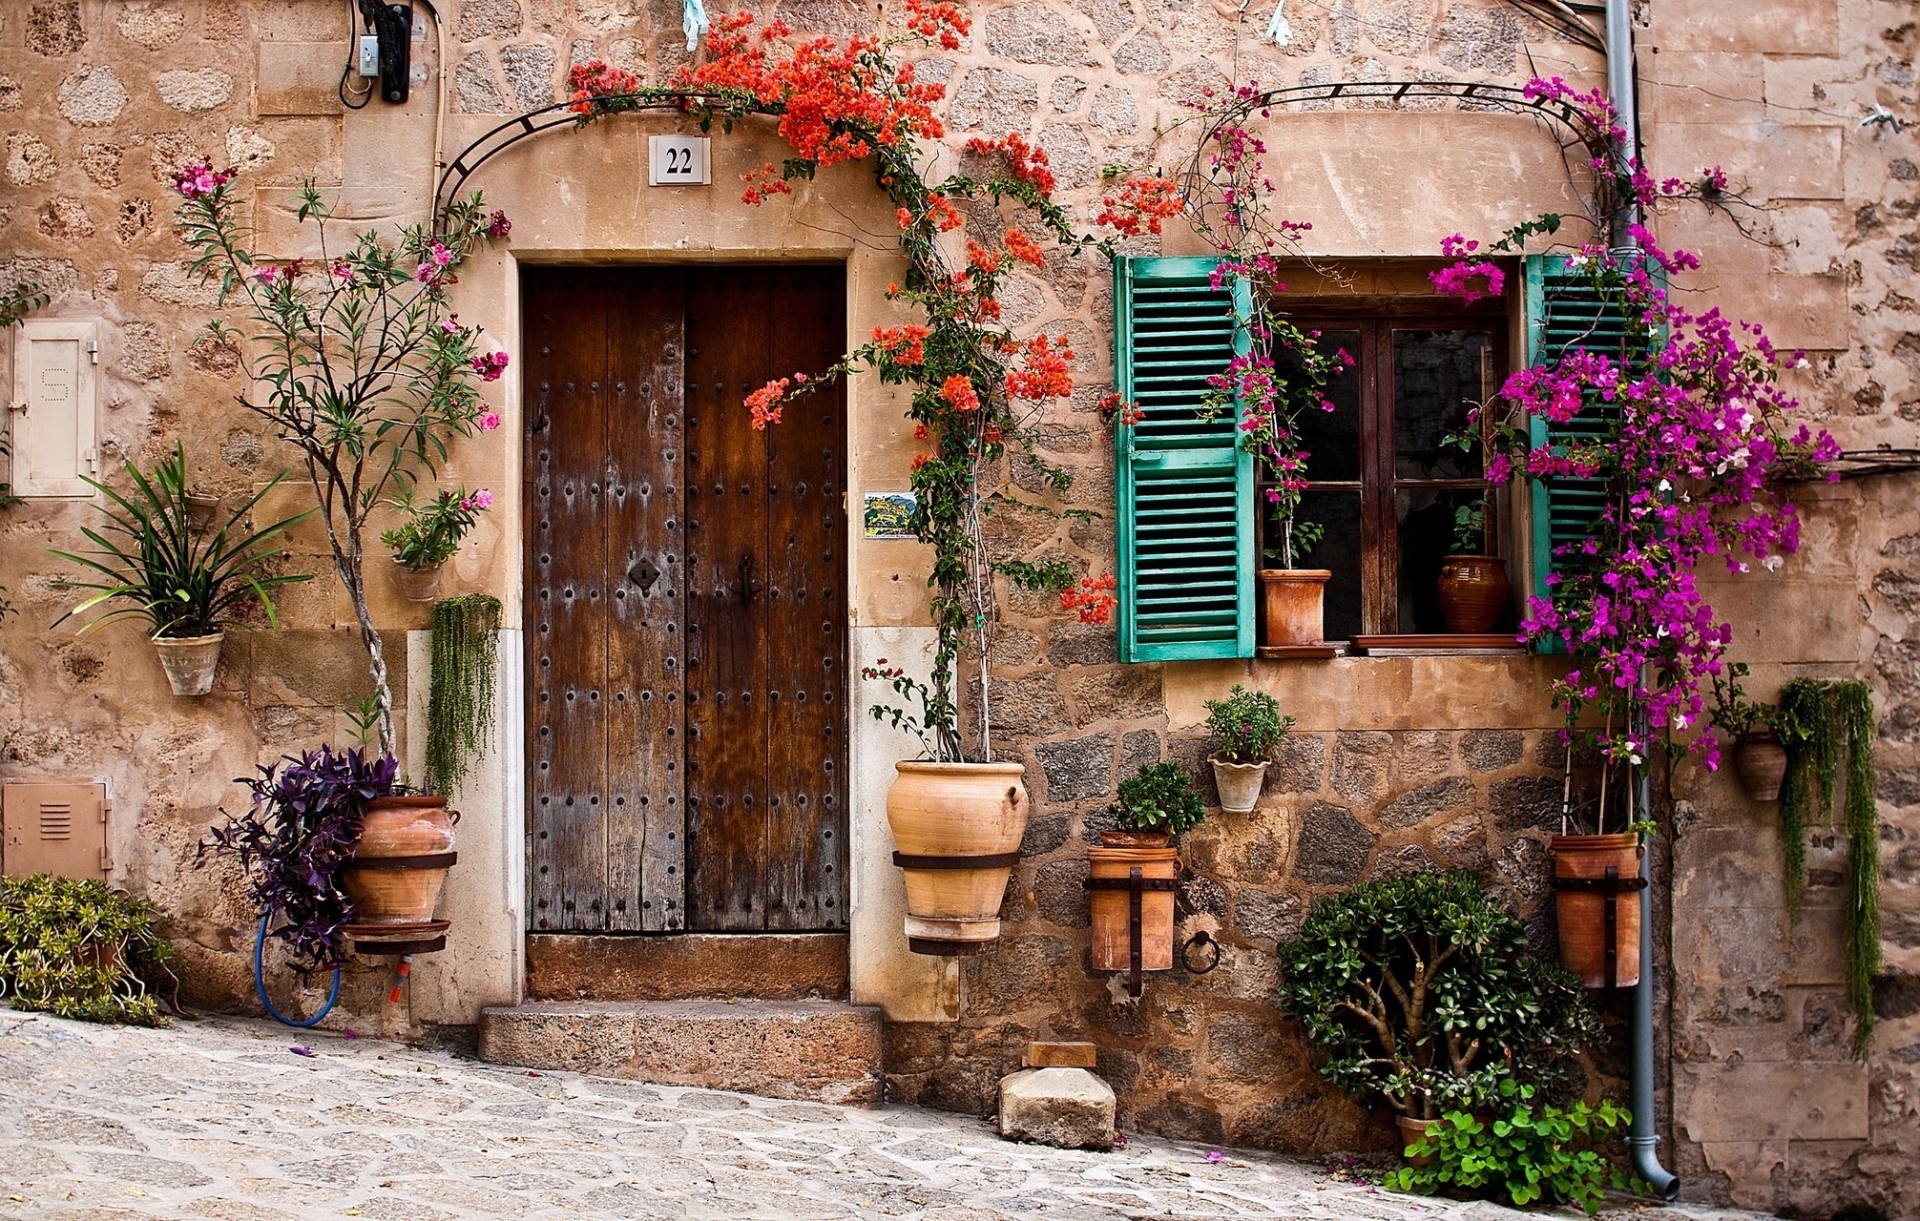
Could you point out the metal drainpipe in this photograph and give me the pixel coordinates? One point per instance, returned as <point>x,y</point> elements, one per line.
<point>1645,1138</point>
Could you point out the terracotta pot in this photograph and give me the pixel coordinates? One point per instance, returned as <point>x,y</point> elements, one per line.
<point>419,584</point>
<point>1112,909</point>
<point>1760,762</point>
<point>189,661</point>
<point>1292,603</point>
<point>1582,913</point>
<point>1411,1131</point>
<point>1239,784</point>
<point>200,510</point>
<point>1135,839</point>
<point>943,814</point>
<point>400,861</point>
<point>1474,592</point>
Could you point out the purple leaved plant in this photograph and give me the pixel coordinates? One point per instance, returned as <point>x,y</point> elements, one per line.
<point>300,827</point>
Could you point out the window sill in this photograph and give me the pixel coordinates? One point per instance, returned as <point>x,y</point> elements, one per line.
<point>1498,644</point>
<point>1297,652</point>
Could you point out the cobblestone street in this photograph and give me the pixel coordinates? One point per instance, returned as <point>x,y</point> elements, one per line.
<point>226,1119</point>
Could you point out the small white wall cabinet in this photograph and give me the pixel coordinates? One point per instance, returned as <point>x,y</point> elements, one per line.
<point>55,408</point>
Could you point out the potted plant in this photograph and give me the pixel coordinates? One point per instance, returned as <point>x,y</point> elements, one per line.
<point>1421,992</point>
<point>1153,806</point>
<point>1473,588</point>
<point>429,535</point>
<point>188,586</point>
<point>1247,726</point>
<point>1525,1153</point>
<point>1759,757</point>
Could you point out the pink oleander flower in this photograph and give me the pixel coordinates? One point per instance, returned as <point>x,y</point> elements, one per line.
<point>489,420</point>
<point>440,255</point>
<point>498,226</point>
<point>426,273</point>
<point>450,325</point>
<point>490,365</point>
<point>198,179</point>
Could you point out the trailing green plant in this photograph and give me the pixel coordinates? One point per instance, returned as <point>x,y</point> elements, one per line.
<point>1422,992</point>
<point>1469,528</point>
<point>1247,725</point>
<point>466,635</point>
<point>185,583</point>
<point>1158,797</point>
<point>76,949</point>
<point>358,363</point>
<point>1734,712</point>
<point>429,534</point>
<point>1828,730</point>
<point>1524,1155</point>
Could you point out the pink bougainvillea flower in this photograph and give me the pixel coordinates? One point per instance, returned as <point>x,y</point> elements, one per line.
<point>764,403</point>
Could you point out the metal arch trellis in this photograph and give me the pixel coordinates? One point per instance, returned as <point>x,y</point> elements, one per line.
<point>1471,95</point>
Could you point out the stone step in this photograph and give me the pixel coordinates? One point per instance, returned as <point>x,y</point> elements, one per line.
<point>686,966</point>
<point>816,1051</point>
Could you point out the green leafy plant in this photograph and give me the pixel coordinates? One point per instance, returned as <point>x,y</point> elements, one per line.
<point>430,533</point>
<point>184,583</point>
<point>1824,725</point>
<point>1158,797</point>
<point>15,304</point>
<point>1734,712</point>
<point>1525,1155</point>
<point>1469,528</point>
<point>465,640</point>
<point>76,949</point>
<point>1247,725</point>
<point>1422,992</point>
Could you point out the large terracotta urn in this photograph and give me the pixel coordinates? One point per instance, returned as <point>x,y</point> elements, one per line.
<point>1581,892</point>
<point>1473,591</point>
<point>397,869</point>
<point>1111,908</point>
<point>957,828</point>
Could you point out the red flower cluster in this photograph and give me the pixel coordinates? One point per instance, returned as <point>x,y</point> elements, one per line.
<point>1025,249</point>
<point>906,345</point>
<point>1027,162</point>
<point>938,21</point>
<point>1113,406</point>
<point>764,402</point>
<point>764,183</point>
<point>1044,373</point>
<point>1143,204</point>
<point>597,79</point>
<point>958,391</point>
<point>1094,599</point>
<point>198,179</point>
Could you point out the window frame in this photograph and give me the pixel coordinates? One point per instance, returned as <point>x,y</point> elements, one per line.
<point>1376,317</point>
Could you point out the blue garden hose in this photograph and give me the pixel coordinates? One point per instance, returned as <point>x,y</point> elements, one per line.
<point>260,983</point>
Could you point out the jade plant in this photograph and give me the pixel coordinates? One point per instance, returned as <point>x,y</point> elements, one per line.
<point>1158,798</point>
<point>75,949</point>
<point>1421,993</point>
<point>1248,726</point>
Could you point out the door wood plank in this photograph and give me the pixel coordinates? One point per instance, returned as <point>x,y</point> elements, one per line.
<point>645,572</point>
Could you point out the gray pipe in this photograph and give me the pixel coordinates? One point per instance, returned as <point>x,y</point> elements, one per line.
<point>1645,1137</point>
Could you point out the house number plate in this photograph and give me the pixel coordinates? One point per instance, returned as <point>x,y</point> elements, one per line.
<point>678,161</point>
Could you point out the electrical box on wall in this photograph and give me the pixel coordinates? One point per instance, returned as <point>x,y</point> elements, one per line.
<point>54,826</point>
<point>55,408</point>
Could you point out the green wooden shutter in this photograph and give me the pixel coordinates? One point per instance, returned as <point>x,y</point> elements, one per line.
<point>1564,312</point>
<point>1185,488</point>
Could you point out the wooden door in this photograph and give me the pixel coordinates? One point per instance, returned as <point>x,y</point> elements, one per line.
<point>686,607</point>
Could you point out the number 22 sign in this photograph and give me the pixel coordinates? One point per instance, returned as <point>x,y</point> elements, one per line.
<point>675,161</point>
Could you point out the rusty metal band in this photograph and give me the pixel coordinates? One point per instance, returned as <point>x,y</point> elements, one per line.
<point>994,860</point>
<point>431,860</point>
<point>1132,883</point>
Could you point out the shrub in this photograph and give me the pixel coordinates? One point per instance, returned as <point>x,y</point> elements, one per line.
<point>76,949</point>
<point>1247,724</point>
<point>1524,1156</point>
<point>1158,797</point>
<point>1422,992</point>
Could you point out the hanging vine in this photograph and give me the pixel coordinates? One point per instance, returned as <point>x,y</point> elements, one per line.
<point>1828,730</point>
<point>465,642</point>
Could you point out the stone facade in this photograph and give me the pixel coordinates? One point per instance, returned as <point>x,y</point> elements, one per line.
<point>1400,763</point>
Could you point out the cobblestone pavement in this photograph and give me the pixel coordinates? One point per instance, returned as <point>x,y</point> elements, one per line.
<point>225,1119</point>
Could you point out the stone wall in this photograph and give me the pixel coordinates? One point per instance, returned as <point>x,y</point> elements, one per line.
<point>1399,763</point>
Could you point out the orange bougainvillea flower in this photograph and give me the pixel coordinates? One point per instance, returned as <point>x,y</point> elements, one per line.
<point>1025,248</point>
<point>1143,204</point>
<point>958,391</point>
<point>905,344</point>
<point>934,19</point>
<point>1094,599</point>
<point>764,402</point>
<point>920,460</point>
<point>1027,162</point>
<point>1043,373</point>
<point>763,183</point>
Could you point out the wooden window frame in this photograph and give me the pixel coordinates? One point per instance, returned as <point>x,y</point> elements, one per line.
<point>1376,318</point>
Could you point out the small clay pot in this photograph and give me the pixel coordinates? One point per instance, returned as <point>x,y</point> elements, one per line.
<point>189,661</point>
<point>1473,592</point>
<point>1760,763</point>
<point>1293,605</point>
<point>400,861</point>
<point>1411,1132</point>
<point>201,508</point>
<point>1239,784</point>
<point>419,584</point>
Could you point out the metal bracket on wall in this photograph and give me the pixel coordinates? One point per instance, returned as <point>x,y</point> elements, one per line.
<point>1135,885</point>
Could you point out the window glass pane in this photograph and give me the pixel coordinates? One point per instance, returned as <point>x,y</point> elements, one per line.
<point>1332,439</point>
<point>1425,520</point>
<point>1338,550</point>
<point>1436,382</point>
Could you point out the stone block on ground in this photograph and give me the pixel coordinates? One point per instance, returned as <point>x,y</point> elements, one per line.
<point>1062,1055</point>
<point>1068,1108</point>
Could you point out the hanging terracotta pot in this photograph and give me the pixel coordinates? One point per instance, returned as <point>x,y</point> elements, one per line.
<point>1760,763</point>
<point>1473,592</point>
<point>419,584</point>
<point>1292,605</point>
<point>1582,891</point>
<point>189,661</point>
<point>1239,784</point>
<point>1119,853</point>
<point>398,867</point>
<point>201,507</point>
<point>957,828</point>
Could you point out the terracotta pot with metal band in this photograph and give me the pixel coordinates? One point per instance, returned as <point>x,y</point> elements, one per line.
<point>1118,855</point>
<point>1473,592</point>
<point>400,863</point>
<point>1583,893</point>
<point>1292,605</point>
<point>957,827</point>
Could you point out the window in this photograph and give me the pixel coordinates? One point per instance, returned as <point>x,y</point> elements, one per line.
<point>1384,482</point>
